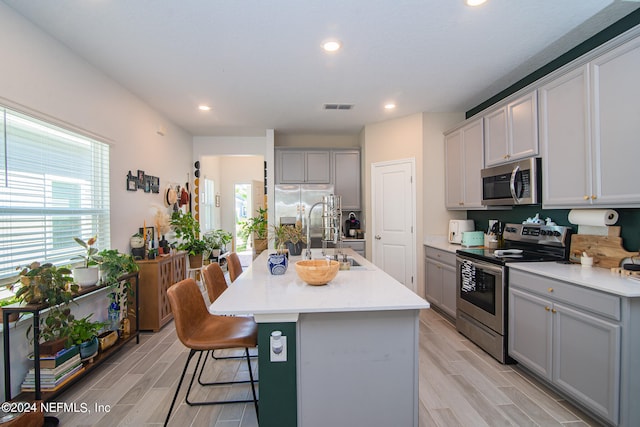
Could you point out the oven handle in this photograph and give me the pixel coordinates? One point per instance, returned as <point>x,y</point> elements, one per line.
<point>512,183</point>
<point>482,265</point>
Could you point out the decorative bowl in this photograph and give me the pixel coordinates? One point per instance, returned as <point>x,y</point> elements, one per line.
<point>317,271</point>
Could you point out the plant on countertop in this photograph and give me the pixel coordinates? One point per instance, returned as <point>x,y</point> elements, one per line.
<point>279,236</point>
<point>187,229</point>
<point>295,234</point>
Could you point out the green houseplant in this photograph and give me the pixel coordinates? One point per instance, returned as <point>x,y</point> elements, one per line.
<point>295,237</point>
<point>257,228</point>
<point>216,241</point>
<point>87,274</point>
<point>84,333</point>
<point>187,229</point>
<point>47,283</point>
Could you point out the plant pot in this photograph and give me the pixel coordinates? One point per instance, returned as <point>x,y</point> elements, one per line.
<point>215,253</point>
<point>259,246</point>
<point>12,317</point>
<point>88,349</point>
<point>86,276</point>
<point>295,249</point>
<point>195,261</point>
<point>107,339</point>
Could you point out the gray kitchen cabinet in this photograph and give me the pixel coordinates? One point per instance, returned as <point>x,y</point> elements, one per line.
<point>346,178</point>
<point>295,166</point>
<point>440,279</point>
<point>464,159</point>
<point>511,131</point>
<point>570,336</point>
<point>589,117</point>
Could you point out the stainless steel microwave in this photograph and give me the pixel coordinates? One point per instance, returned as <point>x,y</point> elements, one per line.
<point>516,183</point>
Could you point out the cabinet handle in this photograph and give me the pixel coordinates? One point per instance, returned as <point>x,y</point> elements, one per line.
<point>553,310</point>
<point>586,197</point>
<point>461,203</point>
<point>593,197</point>
<point>550,289</point>
<point>547,308</point>
<point>505,156</point>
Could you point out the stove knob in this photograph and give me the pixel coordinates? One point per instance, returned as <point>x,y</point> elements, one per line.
<point>543,232</point>
<point>556,233</point>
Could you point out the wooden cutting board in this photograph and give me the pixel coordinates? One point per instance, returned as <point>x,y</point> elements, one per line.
<point>607,251</point>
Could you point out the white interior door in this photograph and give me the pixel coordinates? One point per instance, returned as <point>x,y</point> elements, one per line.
<point>393,222</point>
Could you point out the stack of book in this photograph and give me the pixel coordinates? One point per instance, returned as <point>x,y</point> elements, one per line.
<point>55,370</point>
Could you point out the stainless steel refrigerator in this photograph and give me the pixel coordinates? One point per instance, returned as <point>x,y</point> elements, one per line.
<point>290,198</point>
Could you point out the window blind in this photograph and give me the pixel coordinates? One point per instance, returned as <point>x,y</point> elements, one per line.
<point>54,186</point>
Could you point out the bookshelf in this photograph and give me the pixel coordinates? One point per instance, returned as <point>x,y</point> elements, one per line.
<point>35,310</point>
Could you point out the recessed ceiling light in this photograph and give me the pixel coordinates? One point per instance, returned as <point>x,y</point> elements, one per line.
<point>204,108</point>
<point>389,106</point>
<point>474,2</point>
<point>331,45</point>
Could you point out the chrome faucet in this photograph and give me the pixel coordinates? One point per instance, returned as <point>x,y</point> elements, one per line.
<point>331,220</point>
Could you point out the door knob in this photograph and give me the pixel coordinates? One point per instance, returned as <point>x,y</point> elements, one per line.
<point>378,237</point>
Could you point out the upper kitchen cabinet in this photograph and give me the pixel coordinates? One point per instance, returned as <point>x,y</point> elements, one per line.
<point>346,178</point>
<point>463,163</point>
<point>589,131</point>
<point>511,132</point>
<point>295,166</point>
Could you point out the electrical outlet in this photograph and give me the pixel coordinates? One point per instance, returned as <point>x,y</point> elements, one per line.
<point>278,349</point>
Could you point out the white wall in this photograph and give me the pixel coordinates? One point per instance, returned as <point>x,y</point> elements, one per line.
<point>41,77</point>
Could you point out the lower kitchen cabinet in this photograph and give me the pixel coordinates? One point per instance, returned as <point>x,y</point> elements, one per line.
<point>440,279</point>
<point>571,337</point>
<point>156,276</point>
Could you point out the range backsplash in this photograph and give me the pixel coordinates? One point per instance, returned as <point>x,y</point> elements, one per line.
<point>629,220</point>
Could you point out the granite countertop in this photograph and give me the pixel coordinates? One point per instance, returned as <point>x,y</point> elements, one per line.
<point>364,288</point>
<point>601,279</point>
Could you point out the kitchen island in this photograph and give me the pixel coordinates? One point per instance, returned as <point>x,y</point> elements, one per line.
<point>351,345</point>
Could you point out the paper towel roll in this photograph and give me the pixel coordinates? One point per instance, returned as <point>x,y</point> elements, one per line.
<point>595,217</point>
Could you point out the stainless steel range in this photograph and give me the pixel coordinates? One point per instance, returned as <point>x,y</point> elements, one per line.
<point>482,278</point>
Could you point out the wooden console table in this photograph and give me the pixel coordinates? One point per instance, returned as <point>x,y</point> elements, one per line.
<point>156,276</point>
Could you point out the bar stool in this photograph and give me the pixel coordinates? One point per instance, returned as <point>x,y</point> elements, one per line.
<point>203,332</point>
<point>234,266</point>
<point>214,280</point>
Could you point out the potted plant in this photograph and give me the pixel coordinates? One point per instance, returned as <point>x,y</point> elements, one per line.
<point>88,273</point>
<point>84,333</point>
<point>46,283</point>
<point>279,236</point>
<point>257,227</point>
<point>294,236</point>
<point>115,264</point>
<point>216,241</point>
<point>187,229</point>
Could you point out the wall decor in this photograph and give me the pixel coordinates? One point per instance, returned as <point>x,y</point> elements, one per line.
<point>147,233</point>
<point>132,182</point>
<point>140,179</point>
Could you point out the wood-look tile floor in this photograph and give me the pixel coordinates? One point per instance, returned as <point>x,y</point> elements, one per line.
<point>459,385</point>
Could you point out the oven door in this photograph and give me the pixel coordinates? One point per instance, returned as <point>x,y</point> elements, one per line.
<point>481,292</point>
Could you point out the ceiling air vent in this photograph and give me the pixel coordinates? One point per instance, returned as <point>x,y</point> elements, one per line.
<point>338,106</point>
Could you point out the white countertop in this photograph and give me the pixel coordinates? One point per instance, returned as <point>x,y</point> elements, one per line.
<point>258,292</point>
<point>441,242</point>
<point>595,278</point>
